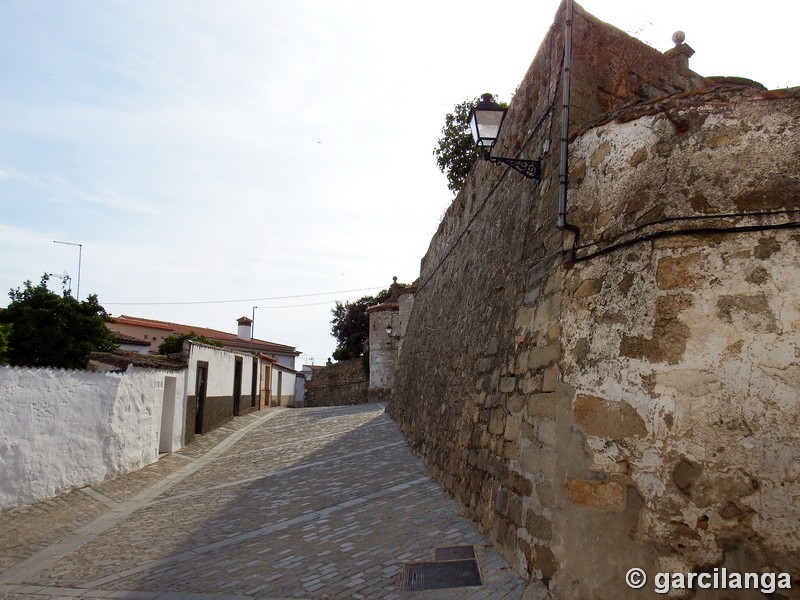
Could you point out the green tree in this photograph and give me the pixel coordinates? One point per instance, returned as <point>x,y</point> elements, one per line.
<point>455,151</point>
<point>52,330</point>
<point>174,343</point>
<point>350,325</point>
<point>5,335</point>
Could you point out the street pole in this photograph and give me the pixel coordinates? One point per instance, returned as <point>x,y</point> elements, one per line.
<point>80,256</point>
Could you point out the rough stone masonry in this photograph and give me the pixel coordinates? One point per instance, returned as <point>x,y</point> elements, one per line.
<point>629,397</point>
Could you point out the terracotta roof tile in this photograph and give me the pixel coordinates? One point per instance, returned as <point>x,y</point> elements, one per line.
<point>121,359</point>
<point>231,340</point>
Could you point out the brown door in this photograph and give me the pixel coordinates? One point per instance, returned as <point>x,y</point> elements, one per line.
<point>201,383</point>
<point>237,386</point>
<point>254,384</point>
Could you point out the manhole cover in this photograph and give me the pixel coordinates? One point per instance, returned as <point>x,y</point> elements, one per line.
<point>438,575</point>
<point>454,553</point>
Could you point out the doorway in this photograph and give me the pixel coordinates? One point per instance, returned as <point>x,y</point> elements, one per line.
<point>254,384</point>
<point>167,415</point>
<point>200,387</point>
<point>237,386</point>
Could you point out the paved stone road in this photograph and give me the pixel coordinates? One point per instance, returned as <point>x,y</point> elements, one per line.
<point>305,503</point>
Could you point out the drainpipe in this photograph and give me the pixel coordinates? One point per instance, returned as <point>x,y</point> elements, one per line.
<point>562,174</point>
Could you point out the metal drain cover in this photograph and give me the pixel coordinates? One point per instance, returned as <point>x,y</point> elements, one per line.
<point>454,553</point>
<point>437,575</point>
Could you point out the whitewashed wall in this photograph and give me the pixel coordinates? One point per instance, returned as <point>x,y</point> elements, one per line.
<point>67,429</point>
<point>299,390</point>
<point>221,365</point>
<point>284,396</point>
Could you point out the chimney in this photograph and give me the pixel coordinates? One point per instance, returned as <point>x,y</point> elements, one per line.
<point>245,328</point>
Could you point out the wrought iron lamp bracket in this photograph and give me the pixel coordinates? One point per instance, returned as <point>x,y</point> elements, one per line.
<point>532,169</point>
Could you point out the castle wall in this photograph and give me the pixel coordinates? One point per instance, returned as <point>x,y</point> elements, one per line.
<point>681,351</point>
<point>632,407</point>
<point>338,384</point>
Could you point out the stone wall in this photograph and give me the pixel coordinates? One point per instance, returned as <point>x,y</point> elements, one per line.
<point>616,406</point>
<point>681,351</point>
<point>339,384</point>
<point>383,349</point>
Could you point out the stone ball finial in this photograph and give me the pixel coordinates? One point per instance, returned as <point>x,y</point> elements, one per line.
<point>678,38</point>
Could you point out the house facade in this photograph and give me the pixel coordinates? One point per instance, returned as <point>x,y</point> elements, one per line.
<point>243,375</point>
<point>154,332</point>
<point>220,384</point>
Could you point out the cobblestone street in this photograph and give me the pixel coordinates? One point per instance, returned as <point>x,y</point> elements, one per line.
<point>283,503</point>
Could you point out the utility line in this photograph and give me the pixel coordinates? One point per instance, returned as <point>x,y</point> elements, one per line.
<point>376,287</point>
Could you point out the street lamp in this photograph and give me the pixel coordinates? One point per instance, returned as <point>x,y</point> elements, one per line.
<point>390,330</point>
<point>80,251</point>
<point>485,121</point>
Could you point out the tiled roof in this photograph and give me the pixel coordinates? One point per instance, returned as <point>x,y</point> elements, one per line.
<point>122,358</point>
<point>122,338</point>
<point>230,340</point>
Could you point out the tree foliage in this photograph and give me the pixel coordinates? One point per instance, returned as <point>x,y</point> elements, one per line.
<point>350,325</point>
<point>455,151</point>
<point>5,336</point>
<point>173,343</point>
<point>53,330</point>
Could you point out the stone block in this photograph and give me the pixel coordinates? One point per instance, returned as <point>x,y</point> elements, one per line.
<point>546,431</point>
<point>588,287</point>
<point>512,429</point>
<point>544,560</point>
<point>501,500</point>
<point>531,383</point>
<point>515,403</point>
<point>497,421</point>
<point>524,318</point>
<point>679,272</point>
<point>550,379</point>
<point>545,494</point>
<point>607,496</point>
<point>668,341</point>
<point>606,418</point>
<point>542,356</point>
<point>534,459</point>
<point>514,512</point>
<point>510,451</point>
<point>542,405</point>
<point>539,526</point>
<point>522,361</point>
<point>519,484</point>
<point>507,384</point>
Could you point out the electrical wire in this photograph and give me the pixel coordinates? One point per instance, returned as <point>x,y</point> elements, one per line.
<point>376,287</point>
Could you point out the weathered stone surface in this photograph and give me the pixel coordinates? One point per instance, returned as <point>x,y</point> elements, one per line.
<point>602,417</point>
<point>748,310</point>
<point>599,495</point>
<point>339,384</point>
<point>589,287</point>
<point>671,335</point>
<point>680,271</point>
<point>667,342</point>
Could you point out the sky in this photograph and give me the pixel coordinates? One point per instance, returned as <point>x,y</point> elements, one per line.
<point>211,157</point>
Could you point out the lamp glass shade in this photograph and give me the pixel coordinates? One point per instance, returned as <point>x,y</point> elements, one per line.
<point>388,330</point>
<point>485,120</point>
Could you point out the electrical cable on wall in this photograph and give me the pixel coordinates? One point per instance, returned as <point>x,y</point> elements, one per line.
<point>707,229</point>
